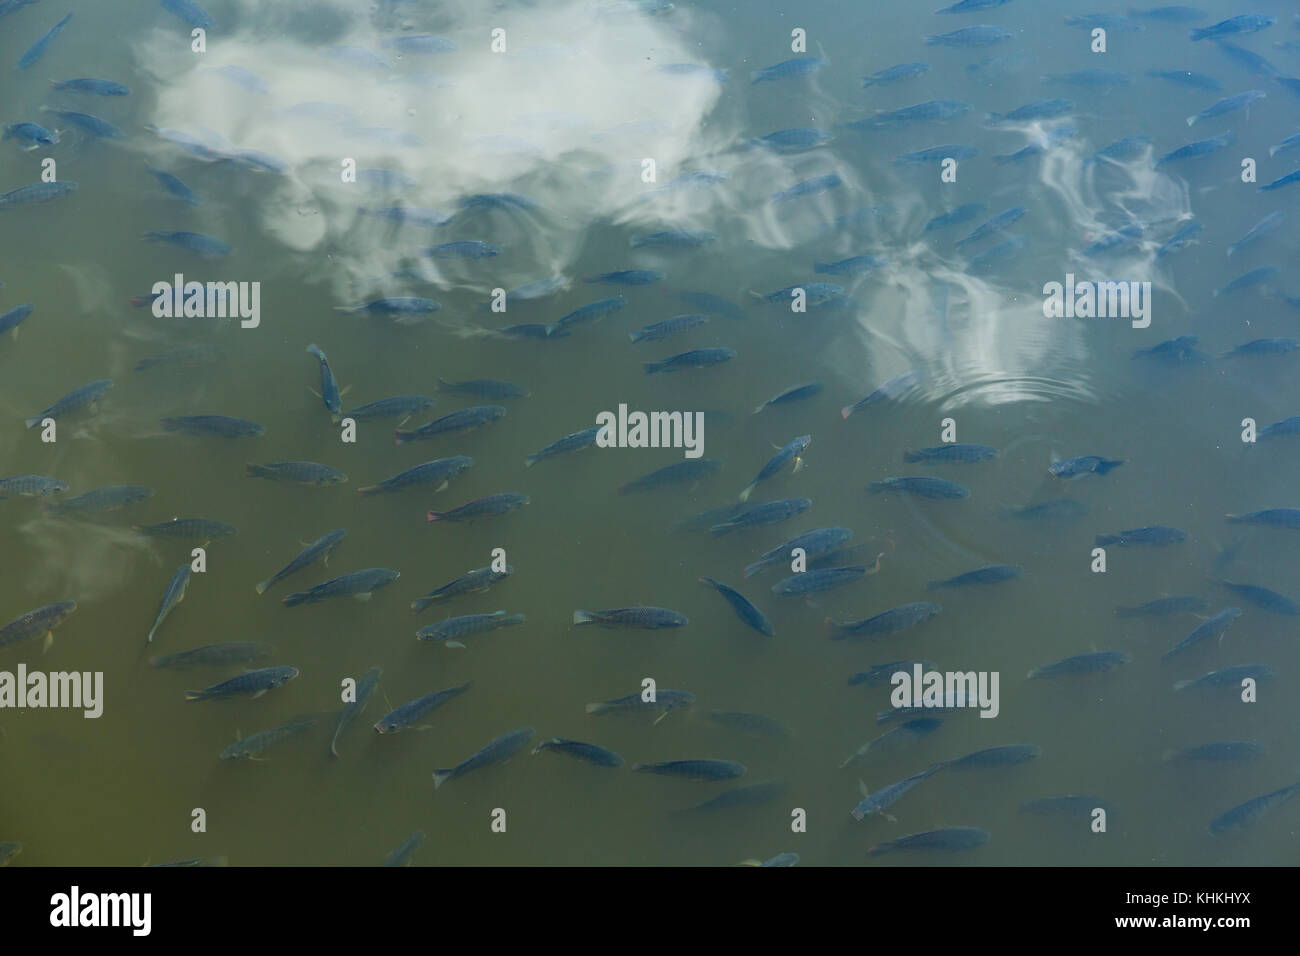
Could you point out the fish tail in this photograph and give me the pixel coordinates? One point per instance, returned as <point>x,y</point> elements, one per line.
<point>846,411</point>
<point>650,369</point>
<point>530,460</point>
<point>1234,519</point>
<point>583,617</point>
<point>401,436</point>
<point>261,588</point>
<point>877,486</point>
<point>195,695</point>
<point>1107,464</point>
<point>254,471</point>
<point>595,708</point>
<point>419,604</point>
<point>639,767</point>
<point>368,490</point>
<point>1102,540</point>
<point>1180,685</point>
<point>434,515</point>
<point>1191,121</point>
<point>1272,151</point>
<point>293,600</point>
<point>440,777</point>
<point>513,620</point>
<point>749,490</point>
<point>910,455</point>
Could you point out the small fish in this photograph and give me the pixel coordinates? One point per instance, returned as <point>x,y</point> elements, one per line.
<point>953,452</point>
<point>85,121</point>
<point>751,795</point>
<point>1158,534</point>
<point>970,37</point>
<point>1007,755</point>
<point>175,187</point>
<point>808,187</point>
<point>1245,23</point>
<point>894,74</point>
<point>955,216</point>
<point>591,753</point>
<point>402,717</point>
<point>1203,147</point>
<point>358,584</point>
<point>1161,607</point>
<point>91,85</point>
<point>173,596</point>
<point>395,305</point>
<point>34,193</point>
<point>697,769</point>
<point>813,543</point>
<point>690,470</point>
<point>399,406</point>
<point>1264,598</point>
<point>1177,350</point>
<point>797,66</point>
<point>37,49</point>
<point>569,443</point>
<point>34,133</point>
<point>330,395</point>
<point>466,419</point>
<point>463,249</point>
<point>300,472</point>
<point>661,330</point>
<point>892,389</point>
<point>215,655</point>
<point>485,507</point>
<point>40,622</point>
<point>628,277</point>
<point>437,472</point>
<point>195,529</point>
<point>771,512</point>
<point>1273,517</point>
<point>1270,346</point>
<point>1181,239</point>
<point>401,856</point>
<point>206,247</point>
<point>896,737</point>
<point>190,12</point>
<point>1038,110</point>
<point>821,579</point>
<point>1245,815</point>
<point>970,6</point>
<point>949,839</point>
<point>1229,676</point>
<point>1211,628</point>
<point>664,701</point>
<point>931,111</point>
<point>885,623</point>
<point>85,396</point>
<point>452,629</point>
<point>1238,101</point>
<point>498,751</point>
<point>1071,468</point>
<point>882,799</point>
<point>1219,752</point>
<point>1287,180</point>
<point>1091,663</point>
<point>881,674</point>
<point>100,500</point>
<point>583,314</point>
<point>318,550</point>
<point>221,426</point>
<point>31,486</point>
<point>1290,143</point>
<point>471,582</point>
<point>643,618</point>
<point>792,452</point>
<point>674,238</point>
<point>792,140</point>
<point>253,683</point>
<point>936,155</point>
<point>254,744</point>
<point>743,607</point>
<point>924,487</point>
<point>989,574</point>
<point>992,226</point>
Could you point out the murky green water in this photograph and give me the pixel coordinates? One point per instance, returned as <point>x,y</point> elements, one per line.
<point>566,116</point>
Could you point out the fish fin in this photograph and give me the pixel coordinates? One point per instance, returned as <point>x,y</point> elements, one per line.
<point>364,595</point>
<point>453,644</point>
<point>314,392</point>
<point>890,817</point>
<point>659,718</point>
<point>862,788</point>
<point>259,693</point>
<point>47,642</point>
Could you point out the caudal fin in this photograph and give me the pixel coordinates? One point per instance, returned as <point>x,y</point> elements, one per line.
<point>195,695</point>
<point>441,776</point>
<point>530,460</point>
<point>583,617</point>
<point>293,600</point>
<point>434,515</point>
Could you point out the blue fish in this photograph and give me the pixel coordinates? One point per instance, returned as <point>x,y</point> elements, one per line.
<point>37,49</point>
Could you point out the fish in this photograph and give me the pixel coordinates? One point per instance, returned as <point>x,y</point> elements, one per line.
<point>498,751</point>
<point>696,769</point>
<point>643,618</point>
<point>1038,110</point>
<point>1161,607</point>
<point>1264,598</point>
<point>84,397</point>
<point>195,529</point>
<point>821,579</point>
<point>204,246</point>
<point>395,305</point>
<point>572,442</point>
<point>221,426</point>
<point>1090,663</point>
<point>451,629</point>
<point>884,624</point>
<point>173,596</point>
<point>992,226</point>
<point>254,744</point>
<point>37,49</point>
<point>882,799</point>
<point>1233,26</point>
<point>437,472</point>
<point>1006,755</point>
<point>91,85</point>
<point>628,277</point>
<point>756,516</point>
<point>401,856</point>
<point>358,584</point>
<point>808,187</point>
<point>893,74</point>
<point>221,654</point>
<point>690,470</point>
<point>584,314</point>
<point>1238,101</point>
<point>1219,751</point>
<point>794,67</point>
<point>330,395</point>
<point>963,452</point>
<point>949,839</point>
<point>1203,147</point>
<point>924,487</point>
<point>34,133</point>
<point>1247,814</point>
<point>485,507</point>
<point>471,582</point>
<point>1287,180</point>
<point>674,238</point>
<point>750,795</point>
<point>190,12</point>
<point>663,702</point>
<point>1280,345</point>
<point>399,406</point>
<point>1154,534</point>
<point>881,674</point>
<point>1072,468</point>
<point>591,753</point>
<point>1110,22</point>
<point>892,389</point>
<point>405,715</point>
<point>40,622</point>
<point>1210,628</point>
<point>976,37</point>
<point>483,388</point>
<point>34,193</point>
<point>931,111</point>
<point>970,6</point>
<point>11,319</point>
<point>1229,676</point>
<point>466,419</point>
<point>659,331</point>
<point>93,125</point>
<point>743,607</point>
<point>1176,350</point>
<point>300,472</point>
<point>989,574</point>
<point>31,486</point>
<point>318,550</point>
<point>252,683</point>
<point>812,543</point>
<point>463,249</point>
<point>1271,517</point>
<point>175,187</point>
<point>791,140</point>
<point>936,155</point>
<point>791,452</point>
<point>1286,427</point>
<point>1181,239</point>
<point>1290,143</point>
<point>896,737</point>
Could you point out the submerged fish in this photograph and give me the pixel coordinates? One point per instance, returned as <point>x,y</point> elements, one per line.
<point>318,550</point>
<point>498,751</point>
<point>253,683</point>
<point>358,584</point>
<point>173,596</point>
